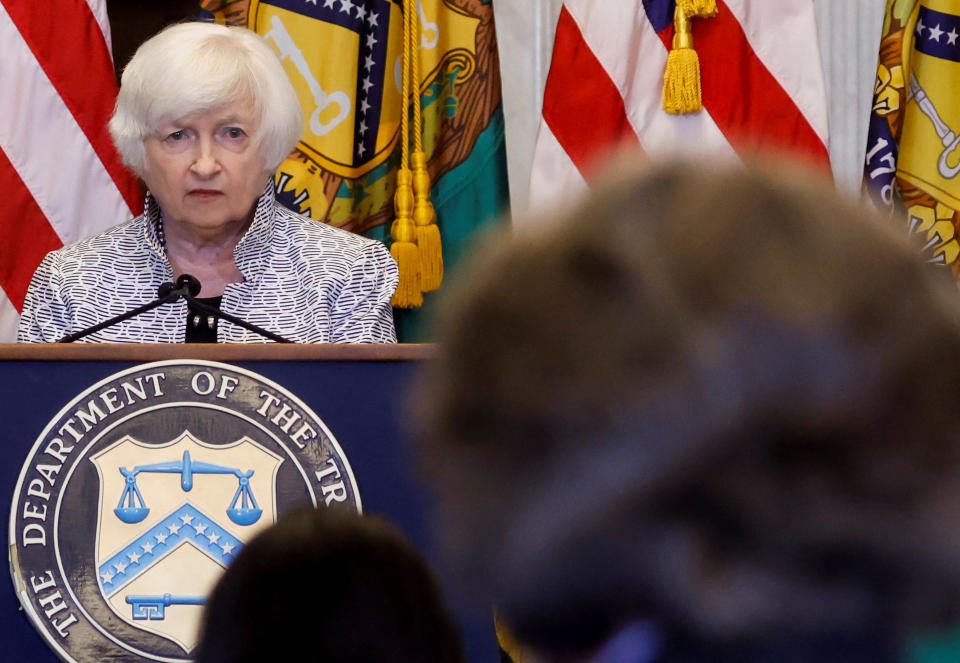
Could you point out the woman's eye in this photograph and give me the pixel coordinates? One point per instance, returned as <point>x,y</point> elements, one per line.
<point>176,135</point>
<point>234,132</point>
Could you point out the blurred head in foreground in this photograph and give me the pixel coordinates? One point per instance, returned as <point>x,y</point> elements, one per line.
<point>718,403</point>
<point>331,586</point>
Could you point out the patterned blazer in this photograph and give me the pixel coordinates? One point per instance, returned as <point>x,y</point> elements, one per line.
<point>304,280</point>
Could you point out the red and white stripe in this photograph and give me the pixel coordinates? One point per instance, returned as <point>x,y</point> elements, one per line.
<point>762,84</point>
<point>60,174</point>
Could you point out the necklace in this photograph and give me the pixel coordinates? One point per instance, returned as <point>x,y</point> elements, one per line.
<point>158,228</point>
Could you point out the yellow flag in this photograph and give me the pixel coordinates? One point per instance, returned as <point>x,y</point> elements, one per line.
<point>913,153</point>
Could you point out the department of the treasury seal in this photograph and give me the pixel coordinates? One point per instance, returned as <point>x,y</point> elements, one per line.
<point>143,489</point>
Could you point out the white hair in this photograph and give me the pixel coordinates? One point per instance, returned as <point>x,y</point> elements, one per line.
<point>195,67</point>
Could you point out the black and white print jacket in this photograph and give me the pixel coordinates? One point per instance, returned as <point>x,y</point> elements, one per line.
<point>304,280</point>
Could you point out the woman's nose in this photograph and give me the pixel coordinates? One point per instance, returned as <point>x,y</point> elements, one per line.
<point>205,163</point>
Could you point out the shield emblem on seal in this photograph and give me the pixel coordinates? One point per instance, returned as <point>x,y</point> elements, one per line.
<point>171,517</point>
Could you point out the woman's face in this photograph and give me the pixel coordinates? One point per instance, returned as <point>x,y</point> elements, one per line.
<point>204,169</point>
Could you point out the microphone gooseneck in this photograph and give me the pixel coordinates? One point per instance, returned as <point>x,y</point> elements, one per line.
<point>206,309</point>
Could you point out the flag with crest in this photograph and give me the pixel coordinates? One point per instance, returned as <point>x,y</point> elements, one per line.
<point>912,157</point>
<point>345,59</point>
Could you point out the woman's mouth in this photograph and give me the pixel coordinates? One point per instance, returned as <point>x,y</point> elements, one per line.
<point>205,193</point>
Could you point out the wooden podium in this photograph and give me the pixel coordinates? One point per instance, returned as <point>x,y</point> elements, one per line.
<point>359,391</point>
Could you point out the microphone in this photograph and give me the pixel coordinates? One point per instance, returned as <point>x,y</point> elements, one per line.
<point>166,293</point>
<point>187,284</point>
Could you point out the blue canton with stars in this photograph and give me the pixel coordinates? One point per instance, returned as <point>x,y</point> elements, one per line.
<point>370,20</point>
<point>937,34</point>
<point>187,523</point>
<point>659,13</point>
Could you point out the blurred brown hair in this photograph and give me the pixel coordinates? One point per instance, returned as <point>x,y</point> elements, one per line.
<point>720,399</point>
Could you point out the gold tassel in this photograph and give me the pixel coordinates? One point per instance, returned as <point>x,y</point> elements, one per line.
<point>681,79</point>
<point>425,218</point>
<point>403,249</point>
<point>698,8</point>
<point>403,232</point>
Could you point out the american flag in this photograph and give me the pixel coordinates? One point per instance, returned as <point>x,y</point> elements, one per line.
<point>60,175</point>
<point>762,84</point>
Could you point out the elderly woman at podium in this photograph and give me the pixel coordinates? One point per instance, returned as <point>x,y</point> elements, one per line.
<point>204,116</point>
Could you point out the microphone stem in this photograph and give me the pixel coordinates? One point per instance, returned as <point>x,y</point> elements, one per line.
<point>210,310</point>
<point>70,338</point>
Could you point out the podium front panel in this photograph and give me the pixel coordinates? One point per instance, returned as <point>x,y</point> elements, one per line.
<point>361,393</point>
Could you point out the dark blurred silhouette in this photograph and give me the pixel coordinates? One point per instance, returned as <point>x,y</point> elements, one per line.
<point>327,585</point>
<point>707,415</point>
<point>132,22</point>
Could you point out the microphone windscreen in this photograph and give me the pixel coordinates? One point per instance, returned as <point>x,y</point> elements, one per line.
<point>190,282</point>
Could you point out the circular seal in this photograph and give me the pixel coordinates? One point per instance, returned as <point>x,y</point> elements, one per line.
<point>143,489</point>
